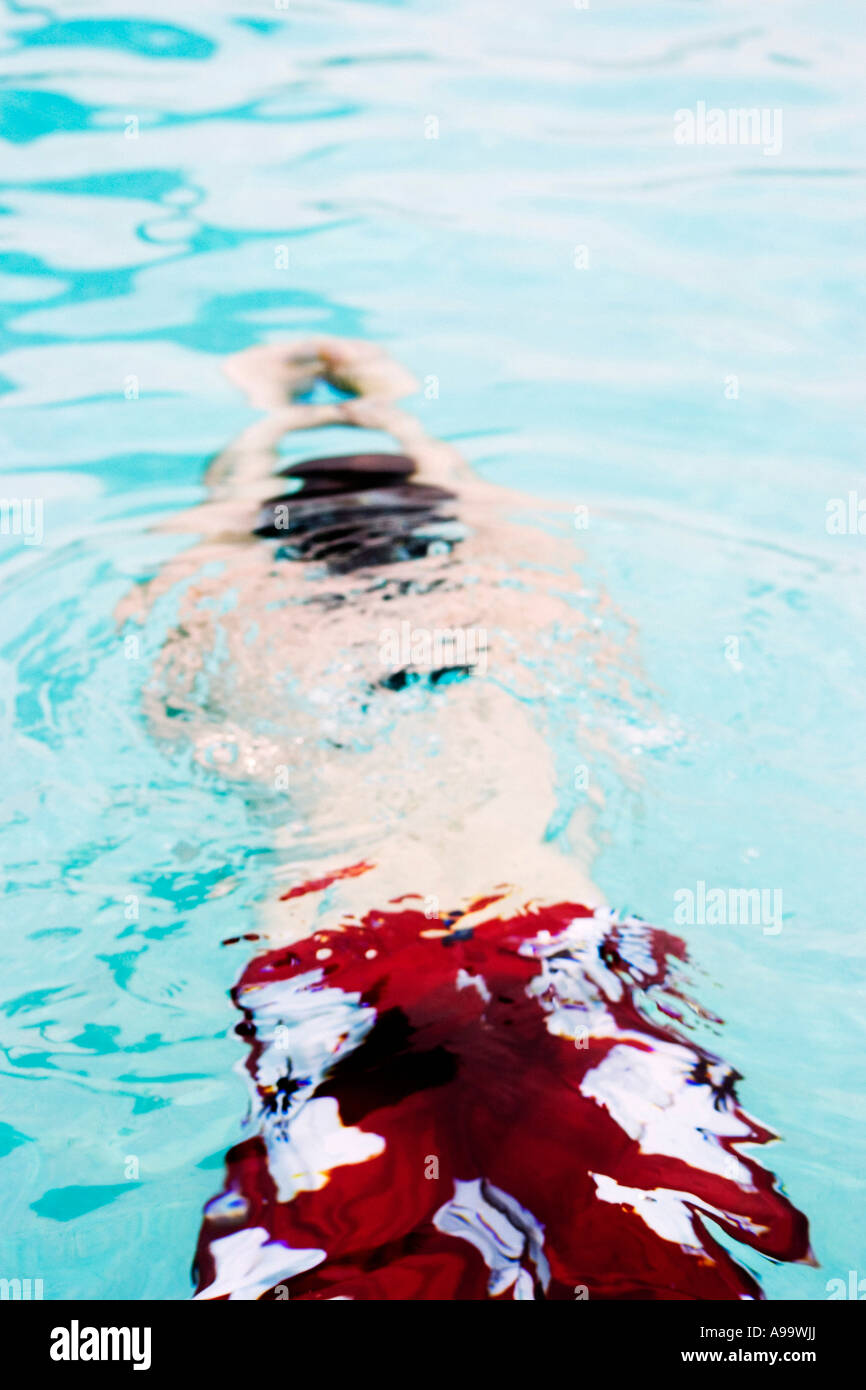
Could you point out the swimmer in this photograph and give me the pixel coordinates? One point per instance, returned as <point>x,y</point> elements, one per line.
<point>468,1079</point>
<point>408,763</point>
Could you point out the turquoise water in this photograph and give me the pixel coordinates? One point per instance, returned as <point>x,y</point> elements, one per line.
<point>178,187</point>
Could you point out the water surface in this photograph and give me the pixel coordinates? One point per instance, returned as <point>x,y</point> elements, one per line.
<point>494,193</point>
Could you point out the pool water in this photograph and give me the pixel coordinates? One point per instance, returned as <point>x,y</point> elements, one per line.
<point>663,335</point>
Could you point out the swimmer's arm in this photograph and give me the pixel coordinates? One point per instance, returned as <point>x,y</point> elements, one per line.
<point>238,479</point>
<point>274,374</point>
<point>245,469</point>
<point>247,466</point>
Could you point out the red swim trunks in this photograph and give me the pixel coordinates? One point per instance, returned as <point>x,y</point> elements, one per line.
<point>509,1112</point>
